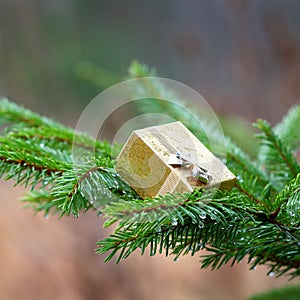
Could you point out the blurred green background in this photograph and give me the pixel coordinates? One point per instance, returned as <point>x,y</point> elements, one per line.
<point>57,55</point>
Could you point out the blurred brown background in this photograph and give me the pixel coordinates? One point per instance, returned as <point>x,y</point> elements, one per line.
<point>56,55</point>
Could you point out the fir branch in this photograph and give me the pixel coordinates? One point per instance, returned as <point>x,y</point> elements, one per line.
<point>175,109</point>
<point>225,230</point>
<point>257,220</point>
<point>239,161</point>
<point>138,70</point>
<point>280,160</point>
<point>288,129</point>
<point>66,139</point>
<point>11,113</point>
<point>66,196</point>
<point>25,168</point>
<point>287,203</point>
<point>151,218</point>
<point>68,191</point>
<point>40,201</point>
<point>262,244</point>
<point>35,150</point>
<point>21,122</point>
<point>172,207</point>
<point>93,184</point>
<point>243,190</point>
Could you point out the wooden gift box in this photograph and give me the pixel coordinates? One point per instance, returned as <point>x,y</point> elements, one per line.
<point>147,162</point>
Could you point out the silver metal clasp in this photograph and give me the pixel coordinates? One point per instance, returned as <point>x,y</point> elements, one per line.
<point>202,174</point>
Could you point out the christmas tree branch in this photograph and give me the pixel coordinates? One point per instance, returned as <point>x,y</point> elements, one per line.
<point>258,220</point>
<point>40,201</point>
<point>218,226</point>
<point>264,237</point>
<point>277,151</point>
<point>23,123</point>
<point>36,150</point>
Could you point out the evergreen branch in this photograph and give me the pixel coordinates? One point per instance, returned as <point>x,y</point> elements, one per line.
<point>243,190</point>
<point>66,196</point>
<point>263,244</point>
<point>138,70</point>
<point>25,168</point>
<point>40,201</point>
<point>91,185</point>
<point>37,148</point>
<point>159,220</point>
<point>233,234</point>
<point>175,109</point>
<point>145,210</point>
<point>257,220</point>
<point>65,138</point>
<point>173,207</point>
<point>288,129</point>
<point>68,191</point>
<point>239,161</point>
<point>22,122</point>
<point>11,113</point>
<point>288,203</point>
<point>280,160</point>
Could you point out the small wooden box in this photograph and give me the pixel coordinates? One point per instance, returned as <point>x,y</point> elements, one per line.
<point>144,162</point>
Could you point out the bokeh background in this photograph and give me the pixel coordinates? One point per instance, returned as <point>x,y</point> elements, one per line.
<point>57,55</point>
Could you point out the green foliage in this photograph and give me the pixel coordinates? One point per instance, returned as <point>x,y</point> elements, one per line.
<point>39,201</point>
<point>138,70</point>
<point>258,220</point>
<point>287,293</point>
<point>286,166</point>
<point>177,224</point>
<point>287,130</point>
<point>37,151</point>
